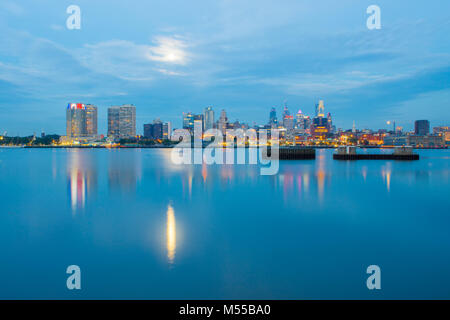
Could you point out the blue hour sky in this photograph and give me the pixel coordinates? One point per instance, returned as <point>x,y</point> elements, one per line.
<point>170,56</point>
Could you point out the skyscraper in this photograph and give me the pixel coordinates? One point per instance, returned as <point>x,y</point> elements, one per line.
<point>320,109</point>
<point>167,130</point>
<point>223,122</point>
<point>208,117</point>
<point>273,121</point>
<point>199,117</point>
<point>91,120</point>
<point>188,121</point>
<point>288,120</point>
<point>198,129</point>
<point>76,120</point>
<point>122,121</point>
<point>300,120</point>
<point>320,125</point>
<point>421,127</point>
<point>157,131</point>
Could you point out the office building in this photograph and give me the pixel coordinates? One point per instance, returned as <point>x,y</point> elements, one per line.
<point>208,117</point>
<point>421,127</point>
<point>223,122</point>
<point>273,121</point>
<point>76,120</point>
<point>167,130</point>
<point>91,120</point>
<point>188,121</point>
<point>122,121</point>
<point>320,109</point>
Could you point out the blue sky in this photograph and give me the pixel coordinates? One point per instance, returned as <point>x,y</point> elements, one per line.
<point>167,57</point>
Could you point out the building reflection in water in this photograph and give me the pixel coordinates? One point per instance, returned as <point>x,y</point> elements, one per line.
<point>386,174</point>
<point>81,177</point>
<point>171,234</point>
<point>320,174</point>
<point>124,170</point>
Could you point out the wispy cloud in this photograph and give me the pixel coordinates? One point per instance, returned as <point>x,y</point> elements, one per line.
<point>168,50</point>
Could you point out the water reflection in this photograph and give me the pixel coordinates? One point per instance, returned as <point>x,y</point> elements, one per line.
<point>124,170</point>
<point>386,173</point>
<point>82,178</point>
<point>171,234</point>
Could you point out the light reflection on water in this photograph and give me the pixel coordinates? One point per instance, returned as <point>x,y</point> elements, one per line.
<point>243,235</point>
<point>171,234</point>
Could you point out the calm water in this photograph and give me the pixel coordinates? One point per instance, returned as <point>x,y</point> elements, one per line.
<point>141,227</point>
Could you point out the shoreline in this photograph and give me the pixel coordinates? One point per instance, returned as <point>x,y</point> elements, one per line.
<point>170,147</point>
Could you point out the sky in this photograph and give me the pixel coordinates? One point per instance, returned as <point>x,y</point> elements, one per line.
<point>168,57</point>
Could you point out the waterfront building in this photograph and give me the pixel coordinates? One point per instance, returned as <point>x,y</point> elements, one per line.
<point>148,131</point>
<point>155,130</point>
<point>122,121</point>
<point>167,130</point>
<point>188,121</point>
<point>198,129</point>
<point>76,120</point>
<point>223,122</point>
<point>425,141</point>
<point>200,119</point>
<point>91,120</point>
<point>421,127</point>
<point>208,117</point>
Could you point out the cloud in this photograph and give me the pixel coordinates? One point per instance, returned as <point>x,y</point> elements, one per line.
<point>129,61</point>
<point>168,50</point>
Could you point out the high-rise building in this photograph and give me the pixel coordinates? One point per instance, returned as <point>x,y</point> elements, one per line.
<point>167,130</point>
<point>76,120</point>
<point>208,118</point>
<point>320,125</point>
<point>155,130</point>
<point>286,111</point>
<point>148,131</point>
<point>421,127</point>
<point>223,122</point>
<point>273,121</point>
<point>199,117</point>
<point>122,121</point>
<point>320,109</point>
<point>288,122</point>
<point>300,120</point>
<point>91,120</point>
<point>198,128</point>
<point>188,121</point>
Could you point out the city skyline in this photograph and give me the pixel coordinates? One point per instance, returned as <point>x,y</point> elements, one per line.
<point>228,55</point>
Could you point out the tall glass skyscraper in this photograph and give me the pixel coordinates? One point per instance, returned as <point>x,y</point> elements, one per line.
<point>76,120</point>
<point>122,121</point>
<point>91,120</point>
<point>208,117</point>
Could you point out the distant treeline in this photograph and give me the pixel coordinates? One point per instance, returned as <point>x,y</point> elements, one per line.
<point>30,140</point>
<point>146,142</point>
